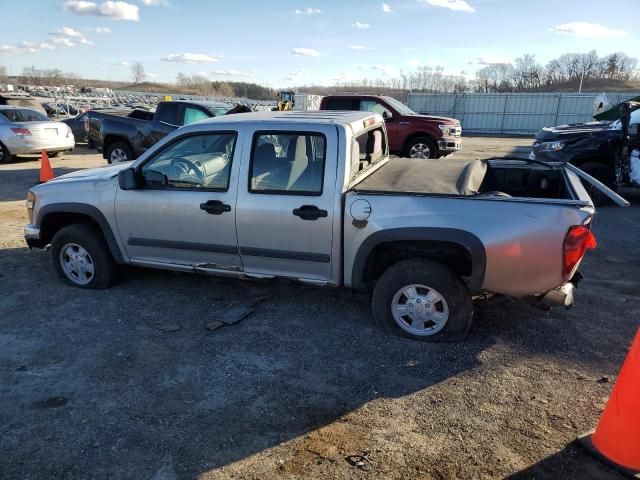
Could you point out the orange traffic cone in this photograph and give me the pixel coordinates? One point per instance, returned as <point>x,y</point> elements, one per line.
<point>616,439</point>
<point>46,172</point>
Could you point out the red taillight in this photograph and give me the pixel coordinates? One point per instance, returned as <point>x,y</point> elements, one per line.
<point>21,131</point>
<point>579,239</point>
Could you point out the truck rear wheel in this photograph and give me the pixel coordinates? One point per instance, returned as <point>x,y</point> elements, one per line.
<point>424,300</point>
<point>81,257</point>
<point>421,147</point>
<point>119,152</point>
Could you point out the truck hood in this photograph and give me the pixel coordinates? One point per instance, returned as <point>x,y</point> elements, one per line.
<point>433,118</point>
<point>92,174</point>
<point>574,130</point>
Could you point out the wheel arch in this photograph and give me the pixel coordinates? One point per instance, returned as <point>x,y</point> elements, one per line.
<point>51,218</point>
<point>460,250</point>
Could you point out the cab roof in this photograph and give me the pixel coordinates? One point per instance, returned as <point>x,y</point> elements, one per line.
<point>353,118</point>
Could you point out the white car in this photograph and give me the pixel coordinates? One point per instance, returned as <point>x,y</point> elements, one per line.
<point>25,131</point>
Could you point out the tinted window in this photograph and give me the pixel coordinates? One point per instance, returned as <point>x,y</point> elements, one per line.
<point>374,107</point>
<point>192,114</point>
<point>340,104</point>
<point>23,115</point>
<point>196,161</point>
<point>288,163</point>
<point>168,113</point>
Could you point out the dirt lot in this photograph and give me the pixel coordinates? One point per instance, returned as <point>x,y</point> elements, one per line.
<point>306,387</point>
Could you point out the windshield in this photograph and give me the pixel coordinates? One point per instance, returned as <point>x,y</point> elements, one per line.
<point>400,107</point>
<point>23,115</point>
<point>219,111</point>
<point>635,118</point>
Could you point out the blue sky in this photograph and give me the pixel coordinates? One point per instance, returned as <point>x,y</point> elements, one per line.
<point>295,42</point>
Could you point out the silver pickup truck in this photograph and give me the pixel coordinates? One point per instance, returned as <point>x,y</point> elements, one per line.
<point>314,196</point>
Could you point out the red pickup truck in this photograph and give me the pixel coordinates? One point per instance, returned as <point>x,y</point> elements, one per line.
<point>410,134</point>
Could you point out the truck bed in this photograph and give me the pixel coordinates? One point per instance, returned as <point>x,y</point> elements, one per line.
<point>479,178</point>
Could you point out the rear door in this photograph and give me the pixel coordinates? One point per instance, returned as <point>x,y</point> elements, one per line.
<point>286,199</point>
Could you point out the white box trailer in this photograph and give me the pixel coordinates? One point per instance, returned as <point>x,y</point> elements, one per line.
<point>306,101</point>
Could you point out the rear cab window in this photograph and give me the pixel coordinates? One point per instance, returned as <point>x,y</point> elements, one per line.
<point>342,104</point>
<point>167,113</point>
<point>367,149</point>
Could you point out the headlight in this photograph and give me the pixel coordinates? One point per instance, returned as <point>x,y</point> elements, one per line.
<point>31,200</point>
<point>444,129</point>
<point>551,146</point>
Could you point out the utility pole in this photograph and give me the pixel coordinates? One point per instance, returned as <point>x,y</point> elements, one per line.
<point>581,79</point>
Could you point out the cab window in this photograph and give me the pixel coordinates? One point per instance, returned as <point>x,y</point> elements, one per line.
<point>192,114</point>
<point>168,113</point>
<point>375,107</point>
<point>197,161</point>
<point>287,163</point>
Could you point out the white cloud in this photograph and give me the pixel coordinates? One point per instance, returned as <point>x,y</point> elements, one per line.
<point>414,62</point>
<point>67,32</point>
<point>458,5</point>
<point>123,64</point>
<point>99,30</point>
<point>155,3</point>
<point>588,30</point>
<point>25,47</point>
<point>386,8</point>
<point>190,58</point>
<point>152,75</point>
<point>304,52</point>
<point>64,41</point>
<point>307,11</point>
<point>360,25</point>
<point>492,60</point>
<point>84,41</point>
<point>233,73</point>
<point>116,10</point>
<point>359,47</point>
<point>296,76</point>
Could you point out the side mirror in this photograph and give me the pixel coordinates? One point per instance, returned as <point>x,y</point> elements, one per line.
<point>387,116</point>
<point>153,178</point>
<point>127,179</point>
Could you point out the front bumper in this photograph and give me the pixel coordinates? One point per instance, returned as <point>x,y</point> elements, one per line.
<point>32,236</point>
<point>450,144</point>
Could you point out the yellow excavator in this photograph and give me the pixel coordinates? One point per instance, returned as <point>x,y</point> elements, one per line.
<point>285,101</point>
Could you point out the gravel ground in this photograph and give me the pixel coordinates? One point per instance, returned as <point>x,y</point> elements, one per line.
<point>92,386</point>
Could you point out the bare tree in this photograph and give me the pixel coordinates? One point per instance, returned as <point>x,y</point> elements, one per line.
<point>137,72</point>
<point>3,73</point>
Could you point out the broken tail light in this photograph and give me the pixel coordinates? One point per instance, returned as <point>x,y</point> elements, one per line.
<point>579,239</point>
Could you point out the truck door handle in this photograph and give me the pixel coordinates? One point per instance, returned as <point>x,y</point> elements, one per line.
<point>215,207</point>
<point>309,212</point>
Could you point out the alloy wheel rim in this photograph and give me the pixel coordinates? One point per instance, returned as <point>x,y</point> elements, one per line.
<point>77,264</point>
<point>118,155</point>
<point>420,150</point>
<point>420,310</point>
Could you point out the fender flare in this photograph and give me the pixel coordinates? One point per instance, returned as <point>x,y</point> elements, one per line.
<point>472,244</point>
<point>90,211</point>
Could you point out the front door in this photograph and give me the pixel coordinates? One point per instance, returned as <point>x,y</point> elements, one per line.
<point>184,213</point>
<point>287,202</point>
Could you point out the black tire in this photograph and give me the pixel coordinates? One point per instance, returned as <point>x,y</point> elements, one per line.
<point>124,147</point>
<point>53,154</point>
<point>90,144</point>
<point>431,274</point>
<point>5,155</point>
<point>603,173</point>
<point>427,142</point>
<point>90,238</point>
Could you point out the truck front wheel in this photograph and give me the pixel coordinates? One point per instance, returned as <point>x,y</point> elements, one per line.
<point>119,152</point>
<point>423,300</point>
<point>421,147</point>
<point>82,258</point>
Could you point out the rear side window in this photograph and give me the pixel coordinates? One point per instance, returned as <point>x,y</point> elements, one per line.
<point>287,163</point>
<point>168,113</point>
<point>341,104</point>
